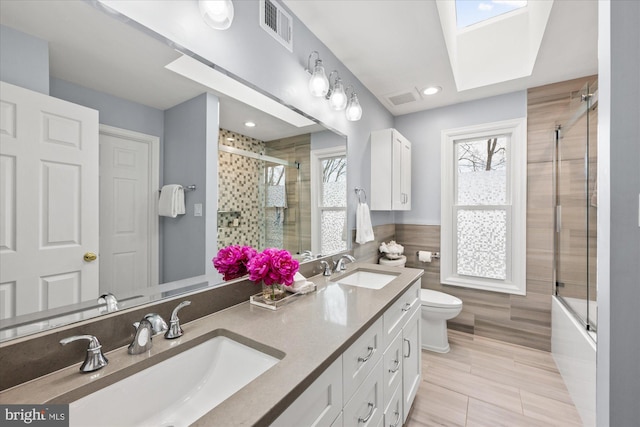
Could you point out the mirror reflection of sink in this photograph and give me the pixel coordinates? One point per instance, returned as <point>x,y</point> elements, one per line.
<point>366,279</point>
<point>177,391</point>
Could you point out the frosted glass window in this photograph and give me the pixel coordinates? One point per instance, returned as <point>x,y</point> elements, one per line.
<point>482,243</point>
<point>333,231</point>
<point>334,182</point>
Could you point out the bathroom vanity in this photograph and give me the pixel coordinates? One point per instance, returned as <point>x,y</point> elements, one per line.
<point>352,352</point>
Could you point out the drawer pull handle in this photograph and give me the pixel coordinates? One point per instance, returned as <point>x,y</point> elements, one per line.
<point>409,343</point>
<point>396,366</point>
<point>395,423</point>
<point>372,407</point>
<point>368,356</point>
<point>406,307</point>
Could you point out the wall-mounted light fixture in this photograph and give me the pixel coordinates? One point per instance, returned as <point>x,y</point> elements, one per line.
<point>354,110</point>
<point>217,14</point>
<point>332,89</point>
<point>336,95</point>
<point>318,83</point>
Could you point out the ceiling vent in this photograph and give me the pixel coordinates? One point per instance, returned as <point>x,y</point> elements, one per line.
<point>277,22</point>
<point>402,98</point>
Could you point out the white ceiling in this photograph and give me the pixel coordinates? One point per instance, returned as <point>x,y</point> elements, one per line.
<point>92,49</point>
<point>397,46</point>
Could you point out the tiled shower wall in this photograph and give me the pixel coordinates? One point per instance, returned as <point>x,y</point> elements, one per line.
<point>523,320</point>
<point>240,197</point>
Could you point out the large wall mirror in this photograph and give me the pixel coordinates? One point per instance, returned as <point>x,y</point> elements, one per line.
<point>277,184</point>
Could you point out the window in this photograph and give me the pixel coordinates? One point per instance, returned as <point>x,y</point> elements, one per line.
<point>484,207</point>
<point>470,12</point>
<point>329,200</point>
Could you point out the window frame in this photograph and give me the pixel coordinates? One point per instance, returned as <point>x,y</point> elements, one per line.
<point>515,206</point>
<point>317,156</point>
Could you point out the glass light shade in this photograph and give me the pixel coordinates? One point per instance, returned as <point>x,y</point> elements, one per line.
<point>217,14</point>
<point>318,83</point>
<point>338,98</point>
<point>354,110</point>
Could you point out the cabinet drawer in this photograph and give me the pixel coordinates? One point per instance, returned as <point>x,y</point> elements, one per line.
<point>360,358</point>
<point>393,411</point>
<point>396,316</point>
<point>319,404</point>
<point>392,368</point>
<point>366,406</point>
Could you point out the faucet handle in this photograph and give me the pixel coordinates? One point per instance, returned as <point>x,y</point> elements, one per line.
<point>175,330</point>
<point>111,302</point>
<point>95,359</point>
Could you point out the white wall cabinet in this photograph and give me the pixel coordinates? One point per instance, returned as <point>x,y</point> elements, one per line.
<point>390,171</point>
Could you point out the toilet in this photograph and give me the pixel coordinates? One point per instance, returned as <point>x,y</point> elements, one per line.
<point>437,308</point>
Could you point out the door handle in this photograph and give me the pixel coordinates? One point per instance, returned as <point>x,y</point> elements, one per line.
<point>89,256</point>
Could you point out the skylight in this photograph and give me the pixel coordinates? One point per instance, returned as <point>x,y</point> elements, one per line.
<point>470,12</point>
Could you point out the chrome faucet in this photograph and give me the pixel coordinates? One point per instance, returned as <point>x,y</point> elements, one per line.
<point>175,330</point>
<point>326,268</point>
<point>340,265</point>
<point>95,359</point>
<point>158,325</point>
<point>142,342</point>
<point>110,300</point>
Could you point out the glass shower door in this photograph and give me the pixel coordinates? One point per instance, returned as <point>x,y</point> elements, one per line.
<point>576,207</point>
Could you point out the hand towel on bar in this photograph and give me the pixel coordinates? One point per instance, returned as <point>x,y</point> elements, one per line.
<point>364,231</point>
<point>171,201</point>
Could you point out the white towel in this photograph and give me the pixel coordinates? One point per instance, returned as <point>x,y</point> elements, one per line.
<point>171,201</point>
<point>364,230</point>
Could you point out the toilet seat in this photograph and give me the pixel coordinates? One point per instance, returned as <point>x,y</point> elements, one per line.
<point>431,298</point>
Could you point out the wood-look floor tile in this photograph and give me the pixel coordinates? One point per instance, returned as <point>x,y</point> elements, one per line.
<point>549,410</point>
<point>483,414</point>
<point>488,382</point>
<point>438,406</point>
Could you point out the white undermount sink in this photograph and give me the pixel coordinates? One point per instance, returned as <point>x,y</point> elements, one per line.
<point>177,391</point>
<point>366,279</point>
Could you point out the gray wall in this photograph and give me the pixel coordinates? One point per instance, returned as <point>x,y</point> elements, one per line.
<point>25,60</point>
<point>424,128</point>
<point>618,363</point>
<point>187,127</point>
<point>247,51</point>
<point>326,139</point>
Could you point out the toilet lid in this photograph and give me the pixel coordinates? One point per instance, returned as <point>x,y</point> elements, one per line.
<point>433,298</point>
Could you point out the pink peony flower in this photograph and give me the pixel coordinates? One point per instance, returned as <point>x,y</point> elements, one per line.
<point>232,261</point>
<point>273,266</point>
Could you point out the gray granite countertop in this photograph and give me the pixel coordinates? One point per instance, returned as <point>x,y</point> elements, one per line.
<point>311,332</point>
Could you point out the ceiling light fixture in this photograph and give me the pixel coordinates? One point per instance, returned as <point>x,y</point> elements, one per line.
<point>250,124</point>
<point>432,90</point>
<point>217,14</point>
<point>336,95</point>
<point>318,83</point>
<point>354,110</point>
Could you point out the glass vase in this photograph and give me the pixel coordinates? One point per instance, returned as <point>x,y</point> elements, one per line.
<point>273,293</point>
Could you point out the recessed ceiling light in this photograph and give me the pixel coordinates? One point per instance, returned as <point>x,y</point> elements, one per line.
<point>230,139</point>
<point>250,124</point>
<point>432,90</point>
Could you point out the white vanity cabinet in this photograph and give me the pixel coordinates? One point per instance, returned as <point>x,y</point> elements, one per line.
<point>320,404</point>
<point>411,363</point>
<point>390,171</point>
<point>374,382</point>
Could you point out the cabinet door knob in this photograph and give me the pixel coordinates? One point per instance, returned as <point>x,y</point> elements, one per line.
<point>89,256</point>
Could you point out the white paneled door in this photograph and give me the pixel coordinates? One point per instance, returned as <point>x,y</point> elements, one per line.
<point>128,210</point>
<point>48,202</point>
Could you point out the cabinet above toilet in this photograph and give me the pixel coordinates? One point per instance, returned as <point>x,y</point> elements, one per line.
<point>390,171</point>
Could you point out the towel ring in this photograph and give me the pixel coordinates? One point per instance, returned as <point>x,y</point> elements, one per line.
<point>359,192</point>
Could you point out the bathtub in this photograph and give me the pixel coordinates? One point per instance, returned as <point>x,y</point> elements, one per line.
<point>574,351</point>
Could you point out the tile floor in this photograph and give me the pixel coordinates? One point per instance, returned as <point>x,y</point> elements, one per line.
<point>485,382</point>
